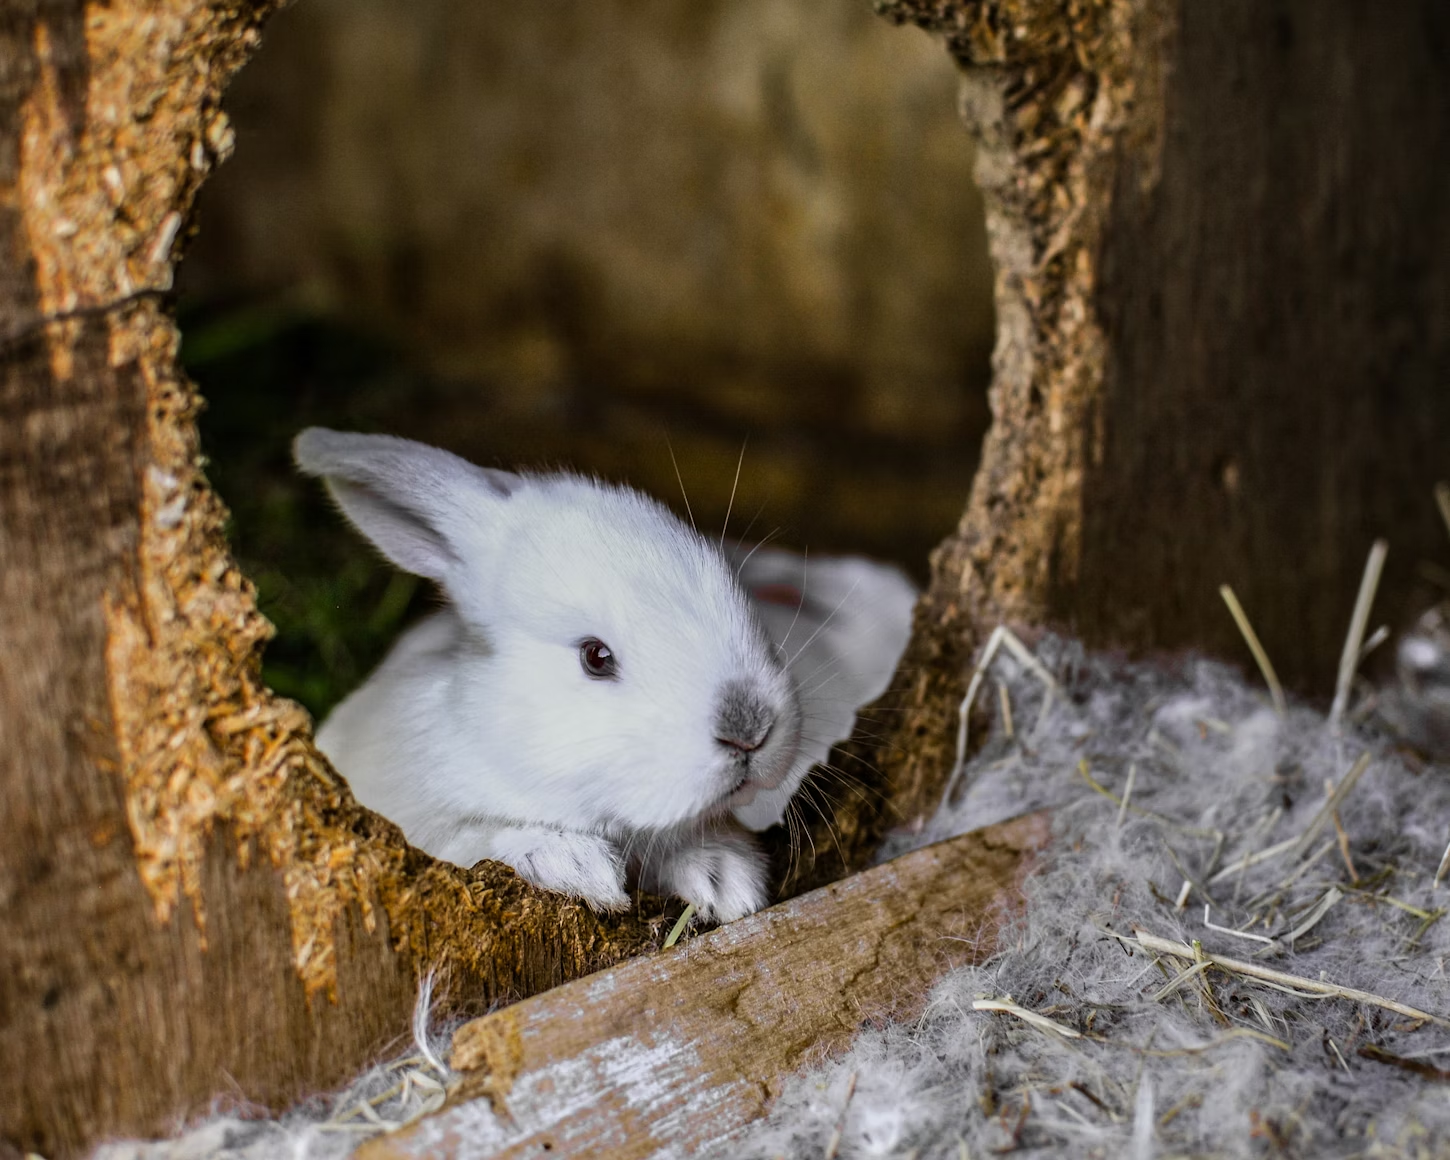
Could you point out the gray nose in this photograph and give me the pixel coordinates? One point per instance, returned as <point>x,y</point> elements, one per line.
<point>745,717</point>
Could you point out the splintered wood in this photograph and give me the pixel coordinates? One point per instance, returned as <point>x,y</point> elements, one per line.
<point>673,1053</point>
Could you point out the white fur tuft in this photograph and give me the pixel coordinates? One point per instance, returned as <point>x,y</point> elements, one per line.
<point>841,639</point>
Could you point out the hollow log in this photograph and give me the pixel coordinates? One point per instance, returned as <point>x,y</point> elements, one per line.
<point>1222,288</point>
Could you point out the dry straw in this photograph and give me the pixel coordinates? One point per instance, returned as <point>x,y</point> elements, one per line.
<point>1297,985</point>
<point>1251,638</point>
<point>1359,621</point>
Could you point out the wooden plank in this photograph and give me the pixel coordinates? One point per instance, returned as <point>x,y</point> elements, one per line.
<point>673,1053</point>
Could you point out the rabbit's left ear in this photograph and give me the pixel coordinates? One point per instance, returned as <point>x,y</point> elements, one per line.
<point>419,505</point>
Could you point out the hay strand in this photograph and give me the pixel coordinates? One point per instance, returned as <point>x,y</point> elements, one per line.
<point>1251,638</point>
<point>1295,984</point>
<point>1228,930</point>
<point>834,1144</point>
<point>679,927</point>
<point>1001,636</point>
<point>1415,1066</point>
<point>1358,623</point>
<point>1127,793</point>
<point>1444,866</point>
<point>1311,920</point>
<point>1041,1022</point>
<point>1267,854</point>
<point>1311,831</point>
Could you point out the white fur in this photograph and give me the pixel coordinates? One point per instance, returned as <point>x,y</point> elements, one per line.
<point>719,864</point>
<point>841,644</point>
<point>481,734</point>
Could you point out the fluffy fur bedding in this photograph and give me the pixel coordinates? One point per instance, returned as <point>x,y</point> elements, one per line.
<point>1074,1040</point>
<point>1151,1056</point>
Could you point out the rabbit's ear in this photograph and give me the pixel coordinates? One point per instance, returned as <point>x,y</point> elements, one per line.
<point>413,501</point>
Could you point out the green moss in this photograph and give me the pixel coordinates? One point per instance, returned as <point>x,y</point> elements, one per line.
<point>266,372</point>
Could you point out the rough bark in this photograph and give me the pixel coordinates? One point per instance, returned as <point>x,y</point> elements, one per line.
<point>192,902</point>
<point>672,1054</point>
<point>1056,95</point>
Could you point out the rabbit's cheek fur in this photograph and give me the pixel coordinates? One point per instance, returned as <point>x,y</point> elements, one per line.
<point>647,748</point>
<point>615,753</point>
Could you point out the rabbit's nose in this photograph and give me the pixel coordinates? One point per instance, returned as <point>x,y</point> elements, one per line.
<point>745,718</point>
<point>744,745</point>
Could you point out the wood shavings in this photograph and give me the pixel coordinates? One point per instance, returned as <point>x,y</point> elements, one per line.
<point>204,745</point>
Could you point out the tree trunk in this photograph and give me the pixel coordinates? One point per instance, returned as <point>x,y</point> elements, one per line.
<point>1222,292</point>
<point>1223,351</point>
<point>192,902</point>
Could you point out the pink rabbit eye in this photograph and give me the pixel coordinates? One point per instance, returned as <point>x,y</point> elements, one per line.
<point>597,658</point>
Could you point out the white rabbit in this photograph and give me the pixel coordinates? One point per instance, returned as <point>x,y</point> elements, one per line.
<point>599,695</point>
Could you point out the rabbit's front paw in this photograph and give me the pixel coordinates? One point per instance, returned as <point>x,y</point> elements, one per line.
<point>568,861</point>
<point>723,875</point>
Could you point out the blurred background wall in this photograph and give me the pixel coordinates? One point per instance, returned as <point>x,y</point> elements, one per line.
<point>569,231</point>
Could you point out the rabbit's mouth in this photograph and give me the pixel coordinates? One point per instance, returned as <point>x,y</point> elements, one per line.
<point>742,793</point>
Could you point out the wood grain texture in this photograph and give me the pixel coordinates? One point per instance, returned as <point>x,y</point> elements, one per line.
<point>1054,94</point>
<point>193,903</point>
<point>1276,296</point>
<point>670,1054</point>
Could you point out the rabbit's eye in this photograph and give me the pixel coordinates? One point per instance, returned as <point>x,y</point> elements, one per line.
<point>597,658</point>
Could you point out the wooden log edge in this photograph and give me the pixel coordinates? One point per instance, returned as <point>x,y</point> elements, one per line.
<point>676,1052</point>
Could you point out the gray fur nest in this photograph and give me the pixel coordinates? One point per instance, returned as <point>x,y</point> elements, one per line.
<point>1105,1050</point>
<point>1168,1058</point>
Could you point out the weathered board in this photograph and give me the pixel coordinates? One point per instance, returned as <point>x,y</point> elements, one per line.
<point>671,1054</point>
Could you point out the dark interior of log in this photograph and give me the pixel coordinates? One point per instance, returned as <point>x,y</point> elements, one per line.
<point>1276,295</point>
